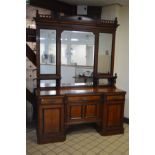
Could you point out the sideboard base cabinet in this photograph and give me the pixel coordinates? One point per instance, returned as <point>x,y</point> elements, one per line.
<point>104,107</point>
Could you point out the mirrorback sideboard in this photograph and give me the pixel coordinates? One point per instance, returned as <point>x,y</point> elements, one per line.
<point>75,79</point>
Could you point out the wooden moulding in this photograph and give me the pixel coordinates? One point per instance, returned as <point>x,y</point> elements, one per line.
<point>76,20</point>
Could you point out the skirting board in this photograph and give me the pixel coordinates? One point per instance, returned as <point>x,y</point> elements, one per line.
<point>126,120</point>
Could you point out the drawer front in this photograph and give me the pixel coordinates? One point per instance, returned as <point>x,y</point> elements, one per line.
<point>52,100</point>
<point>115,97</point>
<point>83,98</point>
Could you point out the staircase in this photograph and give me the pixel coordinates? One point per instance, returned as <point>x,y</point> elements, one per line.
<point>30,74</point>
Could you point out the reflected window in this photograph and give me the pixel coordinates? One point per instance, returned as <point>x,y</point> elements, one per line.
<point>77,57</point>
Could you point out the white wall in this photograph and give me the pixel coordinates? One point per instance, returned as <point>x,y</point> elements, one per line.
<point>121,66</point>
<point>122,54</point>
<point>65,71</point>
<point>79,53</point>
<point>110,12</point>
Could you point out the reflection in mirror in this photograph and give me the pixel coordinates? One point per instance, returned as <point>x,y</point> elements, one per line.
<point>103,82</point>
<point>47,83</point>
<point>77,58</point>
<point>47,51</point>
<point>104,54</point>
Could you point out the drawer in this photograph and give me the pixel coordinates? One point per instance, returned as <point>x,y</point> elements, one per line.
<point>115,97</point>
<point>52,100</point>
<point>83,98</point>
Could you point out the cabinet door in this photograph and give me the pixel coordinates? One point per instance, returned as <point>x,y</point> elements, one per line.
<point>91,111</point>
<point>50,121</point>
<point>75,112</point>
<point>83,108</point>
<point>83,111</point>
<point>114,114</point>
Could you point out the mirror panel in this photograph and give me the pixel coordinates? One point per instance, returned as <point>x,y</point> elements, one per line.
<point>47,51</point>
<point>104,53</point>
<point>77,57</point>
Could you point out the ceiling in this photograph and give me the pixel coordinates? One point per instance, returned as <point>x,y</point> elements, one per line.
<point>96,2</point>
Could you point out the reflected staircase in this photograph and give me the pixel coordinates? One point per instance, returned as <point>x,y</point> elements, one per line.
<point>30,73</point>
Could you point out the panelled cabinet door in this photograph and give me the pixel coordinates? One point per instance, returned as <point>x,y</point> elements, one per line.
<point>75,112</point>
<point>113,112</point>
<point>50,121</point>
<point>83,109</point>
<point>91,111</point>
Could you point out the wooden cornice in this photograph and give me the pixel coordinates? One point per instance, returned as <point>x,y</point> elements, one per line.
<point>77,22</point>
<point>67,9</point>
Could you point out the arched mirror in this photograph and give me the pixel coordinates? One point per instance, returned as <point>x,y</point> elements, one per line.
<point>77,58</point>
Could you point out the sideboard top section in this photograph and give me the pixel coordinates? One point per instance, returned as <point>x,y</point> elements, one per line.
<point>80,91</point>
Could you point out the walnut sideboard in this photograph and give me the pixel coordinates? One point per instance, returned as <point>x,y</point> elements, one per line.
<point>61,108</point>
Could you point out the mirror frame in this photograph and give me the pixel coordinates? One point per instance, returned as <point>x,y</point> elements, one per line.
<point>62,24</point>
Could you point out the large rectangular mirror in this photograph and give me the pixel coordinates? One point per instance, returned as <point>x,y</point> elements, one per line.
<point>77,58</point>
<point>104,53</point>
<point>47,51</point>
